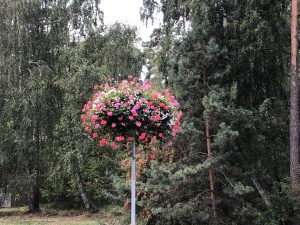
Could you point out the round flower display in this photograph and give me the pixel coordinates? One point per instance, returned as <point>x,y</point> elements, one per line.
<point>117,114</point>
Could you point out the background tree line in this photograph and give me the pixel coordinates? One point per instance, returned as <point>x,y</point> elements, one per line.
<point>226,61</point>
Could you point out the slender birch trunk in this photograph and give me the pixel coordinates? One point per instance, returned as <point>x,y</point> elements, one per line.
<point>294,130</point>
<point>261,191</point>
<point>86,201</point>
<point>77,175</point>
<point>210,170</point>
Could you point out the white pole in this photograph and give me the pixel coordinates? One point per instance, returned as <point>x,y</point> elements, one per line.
<point>133,183</point>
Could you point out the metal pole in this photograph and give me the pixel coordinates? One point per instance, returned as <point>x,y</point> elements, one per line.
<point>133,183</point>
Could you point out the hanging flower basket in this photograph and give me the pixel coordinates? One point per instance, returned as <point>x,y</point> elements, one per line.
<point>117,114</point>
<point>131,111</point>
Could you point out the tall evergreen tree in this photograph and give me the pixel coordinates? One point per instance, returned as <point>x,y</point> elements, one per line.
<point>221,70</point>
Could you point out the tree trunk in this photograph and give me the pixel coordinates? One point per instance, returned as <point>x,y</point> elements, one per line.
<point>210,170</point>
<point>87,203</point>
<point>294,136</point>
<point>34,198</point>
<point>76,171</point>
<point>34,191</point>
<point>261,191</point>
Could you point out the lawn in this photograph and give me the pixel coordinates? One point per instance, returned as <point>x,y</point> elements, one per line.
<point>18,216</point>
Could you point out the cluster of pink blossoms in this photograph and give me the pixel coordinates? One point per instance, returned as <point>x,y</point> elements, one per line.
<point>131,110</point>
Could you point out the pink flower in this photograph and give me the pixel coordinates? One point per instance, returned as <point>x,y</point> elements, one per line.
<point>142,136</point>
<point>102,142</point>
<point>109,113</point>
<point>133,110</point>
<point>176,128</point>
<point>138,123</point>
<point>94,117</point>
<point>135,107</point>
<point>103,122</point>
<point>113,125</point>
<point>142,100</point>
<point>147,85</point>
<point>170,143</point>
<point>160,135</point>
<point>152,156</point>
<point>175,103</point>
<point>154,139</point>
<point>146,110</point>
<point>113,145</point>
<point>155,95</point>
<point>83,118</point>
<point>117,105</point>
<point>130,138</point>
<point>95,135</point>
<point>97,126</point>
<point>95,87</point>
<point>130,117</point>
<point>126,92</point>
<point>155,118</point>
<point>134,113</point>
<point>98,95</point>
<point>120,138</point>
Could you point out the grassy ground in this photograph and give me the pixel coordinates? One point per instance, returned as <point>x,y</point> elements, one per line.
<point>108,216</point>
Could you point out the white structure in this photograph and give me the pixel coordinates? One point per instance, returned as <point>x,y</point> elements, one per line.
<point>5,199</point>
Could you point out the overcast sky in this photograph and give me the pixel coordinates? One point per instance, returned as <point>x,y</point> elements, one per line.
<point>127,12</point>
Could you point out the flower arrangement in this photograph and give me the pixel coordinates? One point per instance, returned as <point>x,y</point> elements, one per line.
<point>132,109</point>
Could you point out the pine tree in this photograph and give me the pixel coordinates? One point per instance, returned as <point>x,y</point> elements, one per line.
<point>221,70</point>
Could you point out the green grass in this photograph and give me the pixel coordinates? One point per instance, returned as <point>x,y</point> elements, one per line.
<point>47,216</point>
<point>52,223</point>
<point>13,211</point>
<point>28,222</point>
<point>111,215</point>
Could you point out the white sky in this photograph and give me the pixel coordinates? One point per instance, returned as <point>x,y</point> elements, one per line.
<point>127,12</point>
